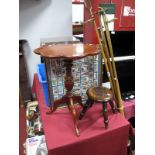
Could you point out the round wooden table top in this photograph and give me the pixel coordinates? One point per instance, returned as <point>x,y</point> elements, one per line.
<point>69,51</point>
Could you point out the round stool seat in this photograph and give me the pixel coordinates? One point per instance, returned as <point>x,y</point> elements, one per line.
<point>99,94</point>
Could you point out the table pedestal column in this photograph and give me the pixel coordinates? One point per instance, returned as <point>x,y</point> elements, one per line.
<point>68,98</point>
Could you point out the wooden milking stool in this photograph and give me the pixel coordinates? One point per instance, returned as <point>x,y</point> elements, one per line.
<point>100,95</point>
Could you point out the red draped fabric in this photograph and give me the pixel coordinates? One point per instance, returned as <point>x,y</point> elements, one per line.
<point>94,138</point>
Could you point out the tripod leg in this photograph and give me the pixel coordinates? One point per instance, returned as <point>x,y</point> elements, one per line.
<point>74,115</point>
<point>56,104</point>
<point>105,115</point>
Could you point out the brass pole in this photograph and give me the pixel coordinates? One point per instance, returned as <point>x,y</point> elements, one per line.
<point>100,44</point>
<point>120,104</point>
<point>107,56</point>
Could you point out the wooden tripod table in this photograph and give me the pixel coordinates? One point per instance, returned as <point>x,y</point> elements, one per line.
<point>68,52</point>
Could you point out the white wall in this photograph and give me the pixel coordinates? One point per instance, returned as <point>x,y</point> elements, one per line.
<point>78,17</point>
<point>43,19</point>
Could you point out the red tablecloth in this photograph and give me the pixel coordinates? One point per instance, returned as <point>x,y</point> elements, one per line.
<point>94,138</point>
<point>129,109</point>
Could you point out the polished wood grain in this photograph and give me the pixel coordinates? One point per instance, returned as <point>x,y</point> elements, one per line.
<point>69,51</point>
<point>99,94</point>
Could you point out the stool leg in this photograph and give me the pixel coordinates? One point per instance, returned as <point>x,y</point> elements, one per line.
<point>112,106</point>
<point>88,104</point>
<point>105,114</point>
